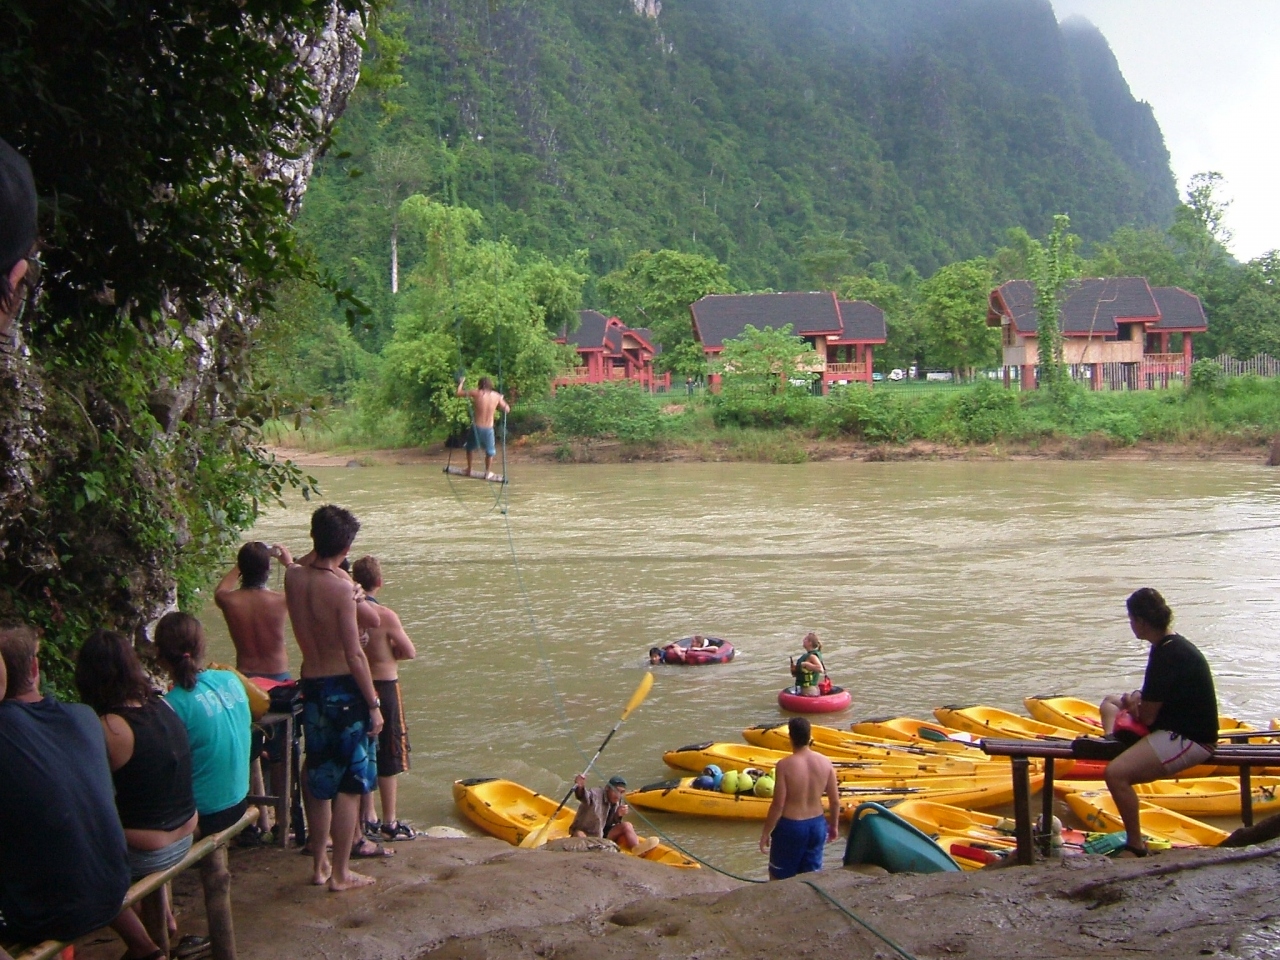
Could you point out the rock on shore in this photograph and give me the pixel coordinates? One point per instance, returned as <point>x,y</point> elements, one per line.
<point>480,898</point>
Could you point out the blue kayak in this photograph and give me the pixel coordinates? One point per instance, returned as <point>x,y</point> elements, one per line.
<point>881,838</point>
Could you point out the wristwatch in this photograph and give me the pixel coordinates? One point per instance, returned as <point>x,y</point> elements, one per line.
<point>377,704</point>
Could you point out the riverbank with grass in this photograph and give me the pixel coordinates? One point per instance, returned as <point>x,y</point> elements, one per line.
<point>1234,419</point>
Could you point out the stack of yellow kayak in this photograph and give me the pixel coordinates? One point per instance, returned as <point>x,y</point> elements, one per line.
<point>923,732</point>
<point>510,812</point>
<point>1098,811</point>
<point>733,756</point>
<point>845,745</point>
<point>994,722</point>
<point>1076,714</point>
<point>933,817</point>
<point>1202,796</point>
<point>680,796</point>
<point>1071,713</point>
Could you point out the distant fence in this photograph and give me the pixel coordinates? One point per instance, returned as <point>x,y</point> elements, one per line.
<point>1263,365</point>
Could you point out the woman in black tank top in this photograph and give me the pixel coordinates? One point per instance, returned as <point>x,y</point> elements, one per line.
<point>148,751</point>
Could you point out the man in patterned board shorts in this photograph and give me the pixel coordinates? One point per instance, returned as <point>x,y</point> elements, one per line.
<point>341,711</point>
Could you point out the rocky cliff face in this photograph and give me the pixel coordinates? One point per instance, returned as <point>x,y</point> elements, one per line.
<point>68,533</point>
<point>1127,124</point>
<point>648,8</point>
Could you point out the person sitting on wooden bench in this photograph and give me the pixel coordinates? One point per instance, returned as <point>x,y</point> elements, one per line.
<point>1177,702</point>
<point>62,850</point>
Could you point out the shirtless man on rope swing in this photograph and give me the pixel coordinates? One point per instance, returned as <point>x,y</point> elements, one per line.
<point>485,401</point>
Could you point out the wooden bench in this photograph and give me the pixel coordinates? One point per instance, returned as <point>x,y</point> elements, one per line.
<point>1245,756</point>
<point>211,854</point>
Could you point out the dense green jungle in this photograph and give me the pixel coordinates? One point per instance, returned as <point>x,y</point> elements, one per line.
<point>504,164</point>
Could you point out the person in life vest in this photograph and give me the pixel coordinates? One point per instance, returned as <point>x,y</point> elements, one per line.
<point>809,669</point>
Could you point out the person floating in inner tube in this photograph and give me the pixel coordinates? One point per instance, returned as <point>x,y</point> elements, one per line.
<point>809,669</point>
<point>674,653</point>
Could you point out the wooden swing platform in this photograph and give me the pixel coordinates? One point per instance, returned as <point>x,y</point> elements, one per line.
<point>462,472</point>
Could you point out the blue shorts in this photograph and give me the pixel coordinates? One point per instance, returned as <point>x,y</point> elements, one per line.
<point>341,757</point>
<point>481,438</point>
<point>795,846</point>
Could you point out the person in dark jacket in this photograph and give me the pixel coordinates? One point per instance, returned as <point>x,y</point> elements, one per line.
<point>64,864</point>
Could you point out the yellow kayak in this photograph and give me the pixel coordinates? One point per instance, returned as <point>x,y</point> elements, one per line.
<point>845,745</point>
<point>510,812</point>
<point>1076,714</point>
<point>994,722</point>
<point>1098,811</point>
<point>973,854</point>
<point>680,796</point>
<point>926,733</point>
<point>1071,713</point>
<point>734,756</point>
<point>1202,796</point>
<point>933,817</point>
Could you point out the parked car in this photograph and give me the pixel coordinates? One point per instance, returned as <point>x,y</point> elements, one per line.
<point>897,373</point>
<point>877,377</point>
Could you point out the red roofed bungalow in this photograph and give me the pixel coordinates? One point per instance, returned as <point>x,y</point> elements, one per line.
<point>609,350</point>
<point>1115,330</point>
<point>842,332</point>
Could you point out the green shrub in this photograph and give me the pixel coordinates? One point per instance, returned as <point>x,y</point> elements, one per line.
<point>866,414</point>
<point>621,410</point>
<point>985,413</point>
<point>745,407</point>
<point>1207,376</point>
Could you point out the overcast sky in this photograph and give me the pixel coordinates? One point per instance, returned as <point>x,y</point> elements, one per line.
<point>1211,71</point>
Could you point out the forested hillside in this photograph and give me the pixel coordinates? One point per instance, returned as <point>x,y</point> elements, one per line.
<point>795,141</point>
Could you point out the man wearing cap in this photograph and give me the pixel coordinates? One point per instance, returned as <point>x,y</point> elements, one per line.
<point>600,814</point>
<point>17,233</point>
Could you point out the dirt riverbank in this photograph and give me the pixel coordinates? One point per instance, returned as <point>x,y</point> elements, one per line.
<point>520,451</point>
<point>482,899</point>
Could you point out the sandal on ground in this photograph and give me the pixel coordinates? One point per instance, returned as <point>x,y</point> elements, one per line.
<point>193,947</point>
<point>1126,852</point>
<point>397,830</point>
<point>372,829</point>
<point>367,849</point>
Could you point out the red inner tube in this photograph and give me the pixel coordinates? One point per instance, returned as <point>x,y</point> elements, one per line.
<point>838,699</point>
<point>720,651</point>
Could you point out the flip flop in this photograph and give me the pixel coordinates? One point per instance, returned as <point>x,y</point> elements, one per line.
<point>361,851</point>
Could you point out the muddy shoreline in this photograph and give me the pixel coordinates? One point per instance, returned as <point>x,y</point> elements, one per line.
<point>482,899</point>
<point>606,451</point>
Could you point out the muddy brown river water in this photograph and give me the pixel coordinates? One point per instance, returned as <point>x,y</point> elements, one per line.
<point>929,583</point>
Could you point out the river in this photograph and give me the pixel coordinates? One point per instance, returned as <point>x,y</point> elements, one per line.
<point>929,583</point>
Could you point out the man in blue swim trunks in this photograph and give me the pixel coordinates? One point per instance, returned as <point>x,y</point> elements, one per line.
<point>341,710</point>
<point>486,401</point>
<point>797,828</point>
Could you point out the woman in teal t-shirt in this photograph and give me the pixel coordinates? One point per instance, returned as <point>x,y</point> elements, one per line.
<point>214,709</point>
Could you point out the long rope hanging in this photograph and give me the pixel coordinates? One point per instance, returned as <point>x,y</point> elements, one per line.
<point>539,637</point>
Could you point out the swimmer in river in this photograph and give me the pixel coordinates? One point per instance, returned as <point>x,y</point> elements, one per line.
<point>485,401</point>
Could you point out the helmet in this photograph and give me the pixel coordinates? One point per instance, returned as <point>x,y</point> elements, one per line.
<point>715,773</point>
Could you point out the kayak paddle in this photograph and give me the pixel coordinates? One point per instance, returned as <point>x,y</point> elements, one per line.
<point>537,837</point>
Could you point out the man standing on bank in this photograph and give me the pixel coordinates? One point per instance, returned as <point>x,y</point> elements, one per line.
<point>485,401</point>
<point>341,711</point>
<point>796,829</point>
<point>1177,702</point>
<point>388,644</point>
